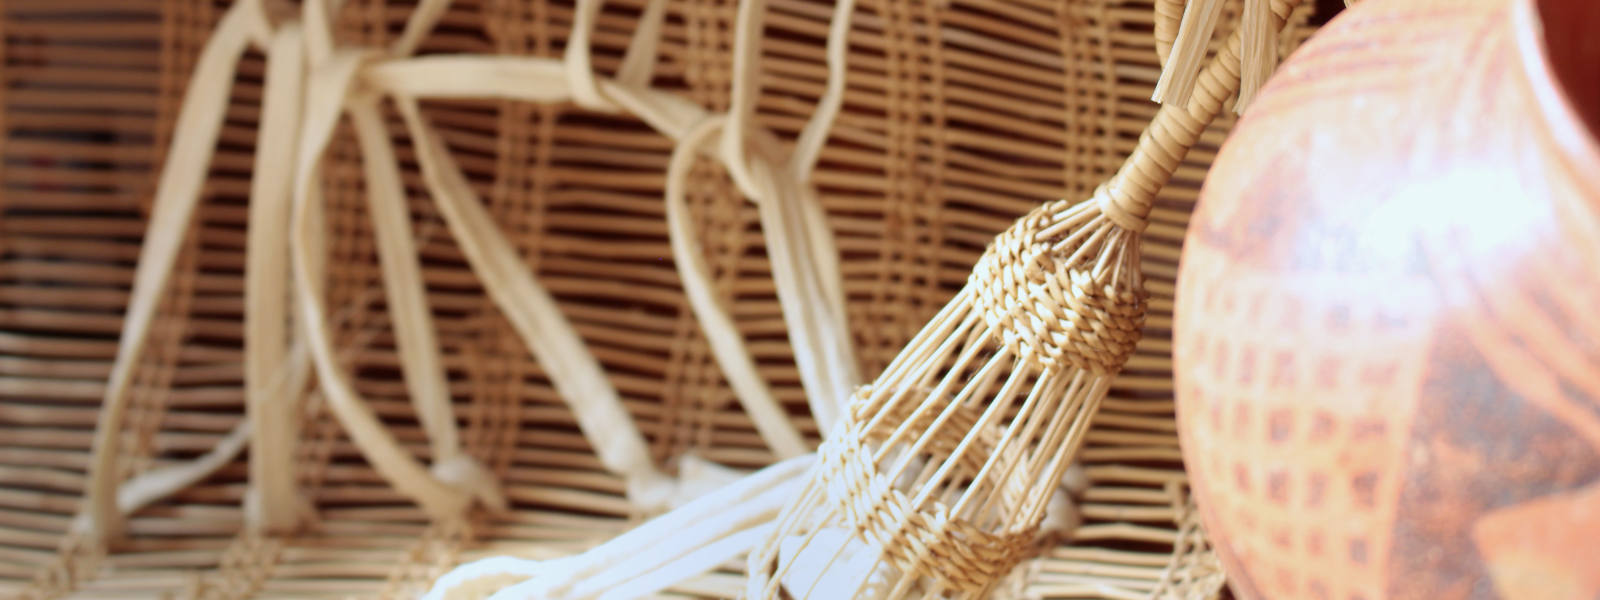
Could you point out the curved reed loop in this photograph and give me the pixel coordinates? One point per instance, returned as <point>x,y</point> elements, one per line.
<point>307,68</point>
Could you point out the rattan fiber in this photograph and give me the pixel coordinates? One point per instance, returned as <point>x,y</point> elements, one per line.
<point>941,143</point>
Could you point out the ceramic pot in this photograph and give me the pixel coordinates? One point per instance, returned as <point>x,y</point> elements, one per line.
<point>1387,336</point>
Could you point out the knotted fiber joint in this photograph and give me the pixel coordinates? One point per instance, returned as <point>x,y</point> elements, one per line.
<point>1064,299</point>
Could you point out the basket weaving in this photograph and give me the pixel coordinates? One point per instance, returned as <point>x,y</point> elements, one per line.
<point>831,173</point>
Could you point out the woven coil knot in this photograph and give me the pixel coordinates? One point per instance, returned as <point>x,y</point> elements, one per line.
<point>952,551</point>
<point>1056,312</point>
<point>1123,205</point>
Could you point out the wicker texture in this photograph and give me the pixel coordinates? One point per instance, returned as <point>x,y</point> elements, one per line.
<point>937,147</point>
<point>1054,310</point>
<point>956,454</point>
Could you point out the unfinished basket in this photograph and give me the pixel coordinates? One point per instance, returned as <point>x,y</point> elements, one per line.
<point>412,367</point>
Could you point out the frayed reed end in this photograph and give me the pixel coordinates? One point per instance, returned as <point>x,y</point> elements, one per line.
<point>1259,51</point>
<point>1178,76</point>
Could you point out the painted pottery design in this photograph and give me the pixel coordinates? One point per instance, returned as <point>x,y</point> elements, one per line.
<point>1388,313</point>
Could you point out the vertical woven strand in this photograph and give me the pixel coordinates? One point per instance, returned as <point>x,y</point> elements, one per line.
<point>802,251</point>
<point>923,291</point>
<point>1089,95</point>
<point>523,173</point>
<point>153,379</point>
<point>914,127</point>
<point>177,196</point>
<point>688,357</point>
<point>270,402</point>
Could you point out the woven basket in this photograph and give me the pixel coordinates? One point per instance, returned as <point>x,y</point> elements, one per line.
<point>956,118</point>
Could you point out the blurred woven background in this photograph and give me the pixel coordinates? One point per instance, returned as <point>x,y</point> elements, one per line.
<point>959,116</point>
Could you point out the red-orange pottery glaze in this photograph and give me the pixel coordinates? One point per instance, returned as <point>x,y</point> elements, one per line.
<point>1388,312</point>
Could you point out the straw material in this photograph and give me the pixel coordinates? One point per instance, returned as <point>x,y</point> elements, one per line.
<point>449,359</point>
<point>943,470</point>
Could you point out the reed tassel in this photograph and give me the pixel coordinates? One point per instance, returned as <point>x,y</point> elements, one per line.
<point>1182,64</point>
<point>1182,46</point>
<point>1259,54</point>
<point>940,473</point>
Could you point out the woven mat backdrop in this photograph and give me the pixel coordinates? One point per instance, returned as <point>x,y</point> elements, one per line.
<point>959,116</point>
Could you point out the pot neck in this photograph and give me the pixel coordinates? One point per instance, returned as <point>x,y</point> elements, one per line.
<point>1571,113</point>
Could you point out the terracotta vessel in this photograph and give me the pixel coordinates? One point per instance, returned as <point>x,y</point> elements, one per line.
<point>1388,313</point>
